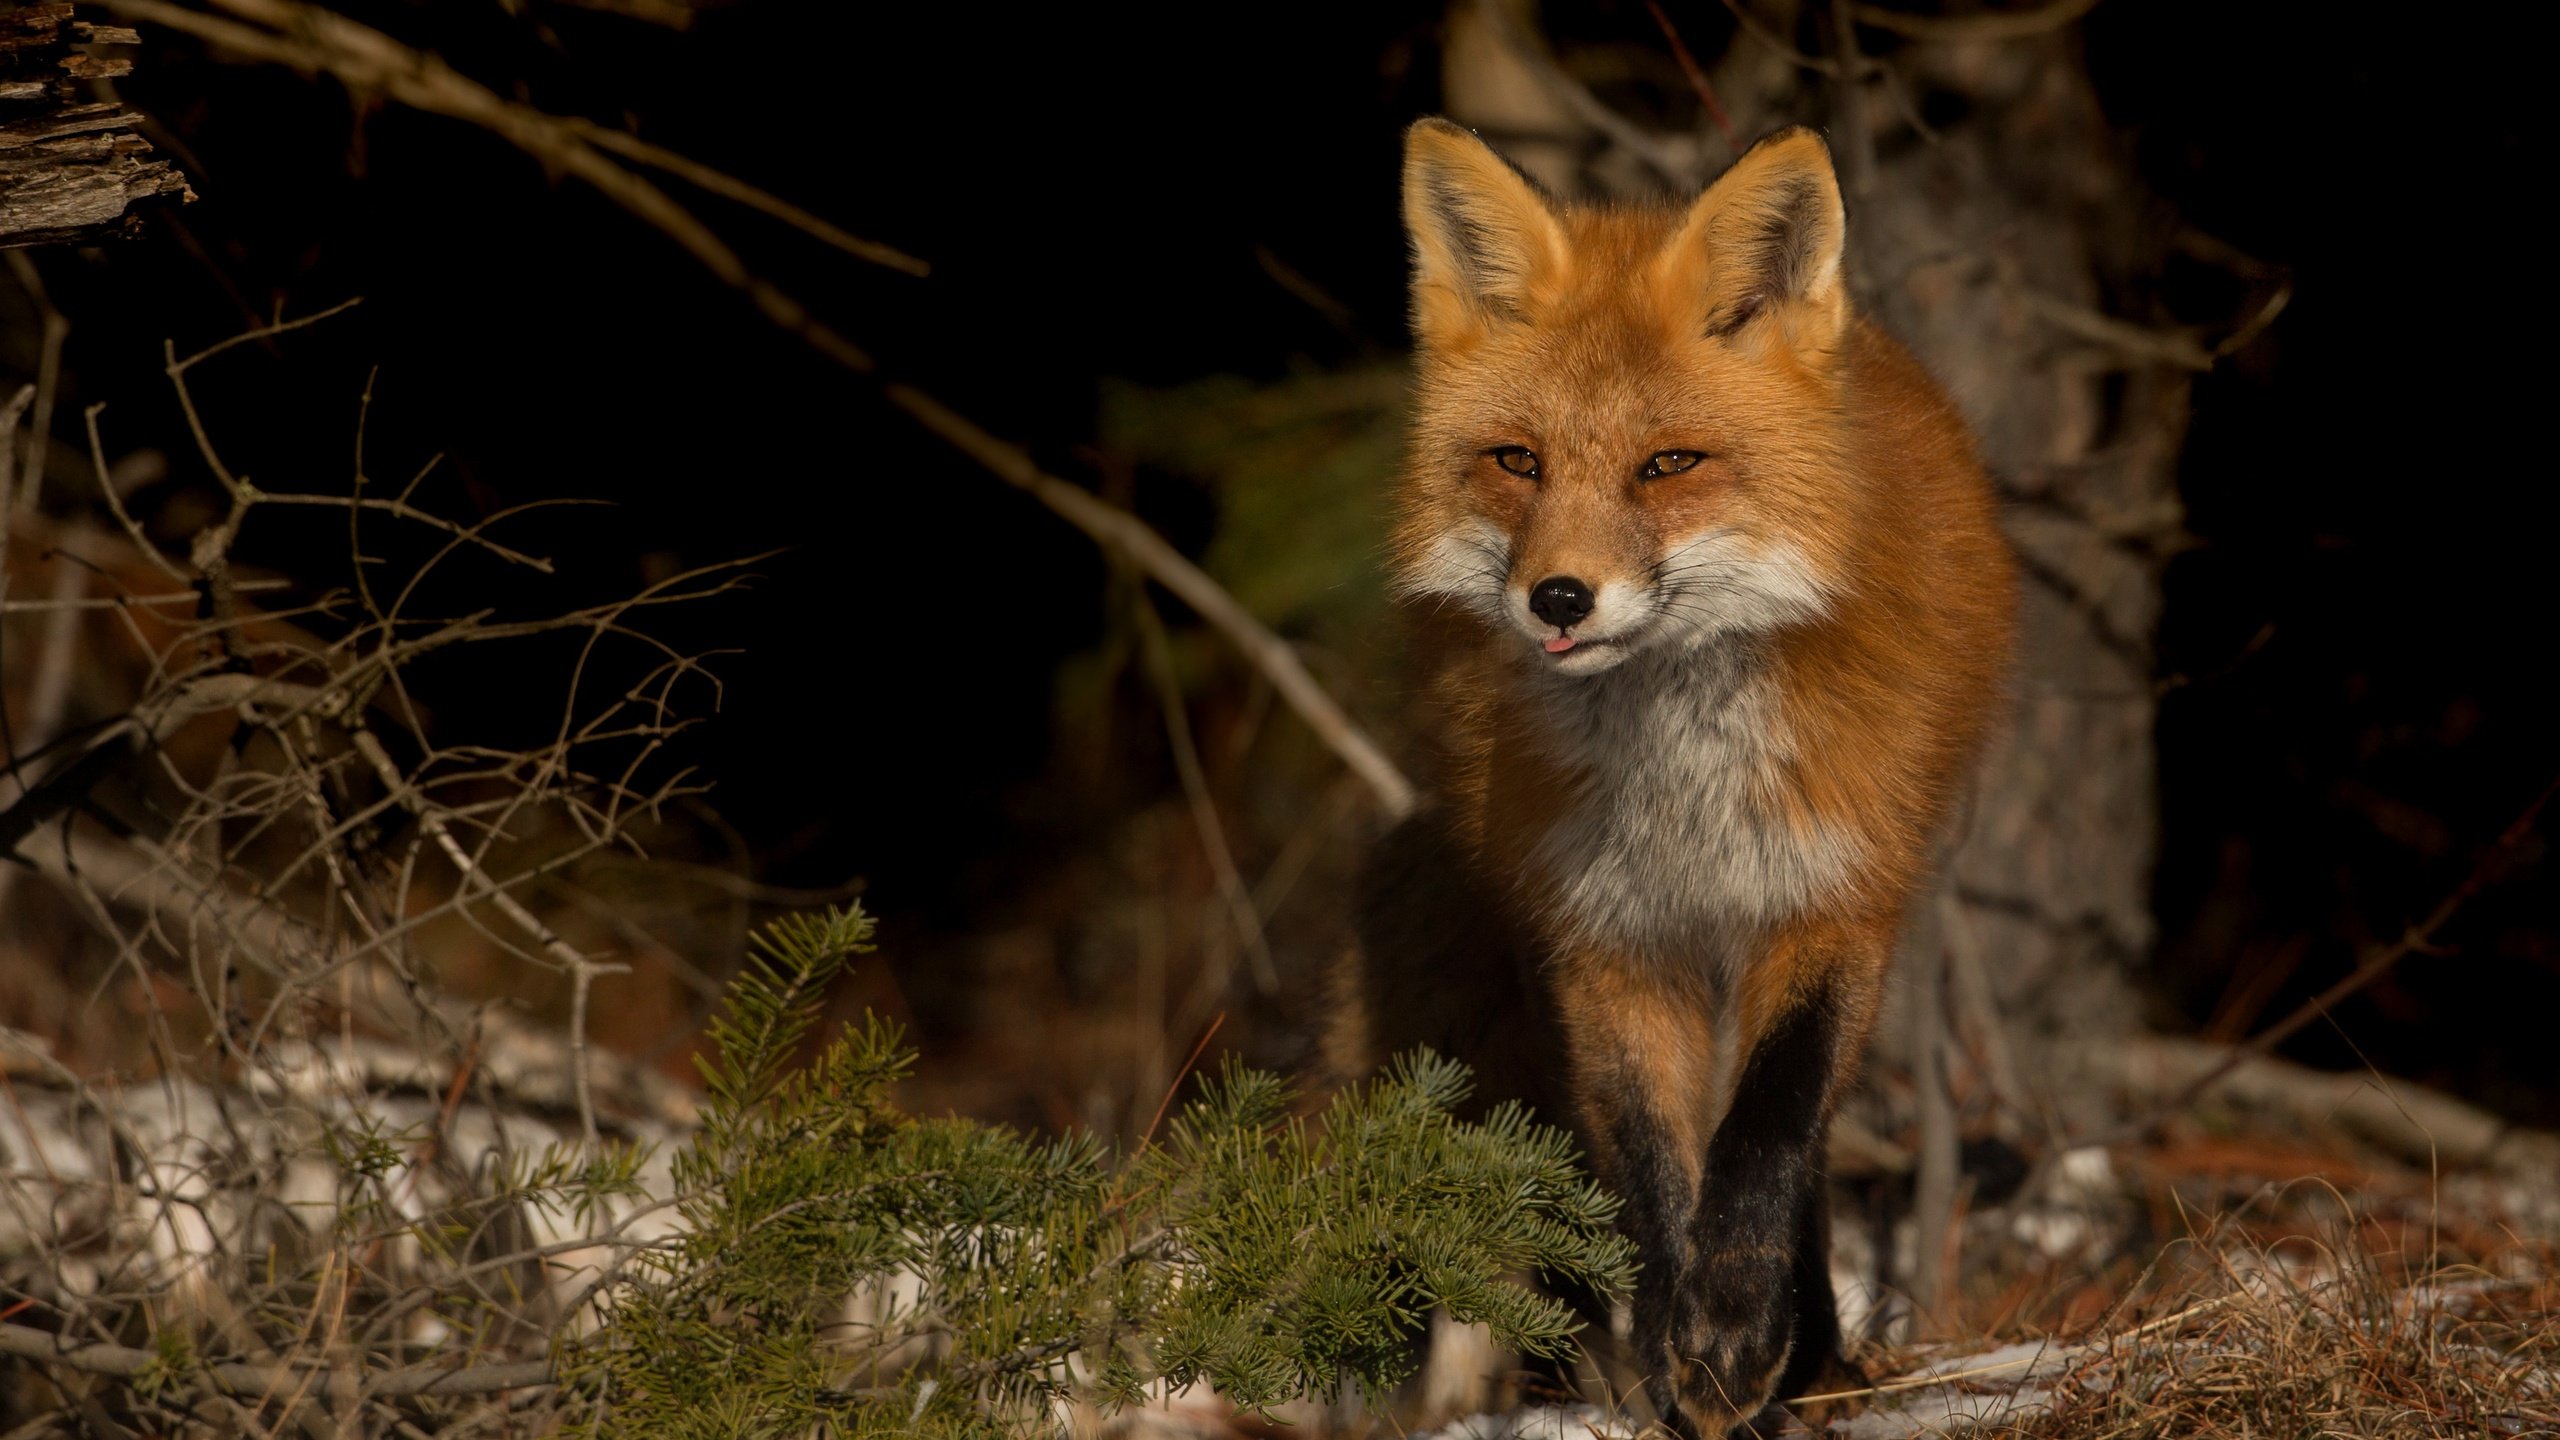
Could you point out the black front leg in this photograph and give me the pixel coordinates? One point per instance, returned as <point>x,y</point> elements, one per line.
<point>1657,1188</point>
<point>1755,1304</point>
<point>1817,1338</point>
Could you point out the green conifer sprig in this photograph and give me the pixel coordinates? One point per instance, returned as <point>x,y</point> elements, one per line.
<point>847,1269</point>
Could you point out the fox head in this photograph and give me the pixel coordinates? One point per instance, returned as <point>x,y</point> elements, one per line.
<point>1626,422</point>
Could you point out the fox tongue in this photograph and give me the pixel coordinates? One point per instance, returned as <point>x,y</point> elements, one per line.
<point>1559,644</point>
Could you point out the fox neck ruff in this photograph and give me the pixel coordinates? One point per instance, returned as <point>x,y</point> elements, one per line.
<point>1682,835</point>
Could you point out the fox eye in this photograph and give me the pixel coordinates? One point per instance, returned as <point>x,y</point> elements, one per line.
<point>1518,459</point>
<point>1671,462</point>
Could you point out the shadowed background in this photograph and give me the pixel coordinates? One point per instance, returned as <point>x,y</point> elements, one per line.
<point>1166,258</point>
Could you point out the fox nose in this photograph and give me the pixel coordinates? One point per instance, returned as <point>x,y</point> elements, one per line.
<point>1560,600</point>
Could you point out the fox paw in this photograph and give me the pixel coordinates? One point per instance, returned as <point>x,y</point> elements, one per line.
<point>1728,1342</point>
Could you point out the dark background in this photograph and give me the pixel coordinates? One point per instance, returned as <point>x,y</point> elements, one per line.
<point>2355,648</point>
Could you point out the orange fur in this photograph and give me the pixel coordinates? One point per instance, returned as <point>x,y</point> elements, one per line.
<point>1704,798</point>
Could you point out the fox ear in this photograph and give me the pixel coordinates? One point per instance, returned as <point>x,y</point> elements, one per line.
<point>1766,239</point>
<point>1483,237</point>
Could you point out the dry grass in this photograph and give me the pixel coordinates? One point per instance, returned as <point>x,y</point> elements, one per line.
<point>2336,1329</point>
<point>2331,1352</point>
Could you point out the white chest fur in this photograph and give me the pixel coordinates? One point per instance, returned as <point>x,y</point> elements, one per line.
<point>1679,842</point>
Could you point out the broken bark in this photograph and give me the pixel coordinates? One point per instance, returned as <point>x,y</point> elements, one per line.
<point>73,168</point>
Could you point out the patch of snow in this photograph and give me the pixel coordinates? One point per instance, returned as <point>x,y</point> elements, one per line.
<point>1543,1422</point>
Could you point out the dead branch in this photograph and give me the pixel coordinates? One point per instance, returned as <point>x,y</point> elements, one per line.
<point>1758,29</point>
<point>1125,534</point>
<point>525,1063</point>
<point>1993,25</point>
<point>1695,74</point>
<point>476,882</point>
<point>99,1358</point>
<point>2173,348</point>
<point>57,329</point>
<point>259,896</point>
<point>61,604</point>
<point>11,413</point>
<point>1858,136</point>
<point>1935,1178</point>
<point>673,14</point>
<point>1157,650</point>
<point>2492,866</point>
<point>316,41</point>
<point>727,187</point>
<point>1680,172</point>
<point>2409,1122</point>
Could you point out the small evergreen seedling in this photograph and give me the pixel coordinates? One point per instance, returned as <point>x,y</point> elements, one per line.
<point>847,1269</point>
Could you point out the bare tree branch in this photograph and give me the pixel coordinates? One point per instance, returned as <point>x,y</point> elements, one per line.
<point>97,1358</point>
<point>1125,534</point>
<point>1989,25</point>
<point>315,41</point>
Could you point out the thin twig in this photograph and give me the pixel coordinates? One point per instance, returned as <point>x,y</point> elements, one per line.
<point>1857,133</point>
<point>1697,74</point>
<point>1931,1379</point>
<point>173,599</point>
<point>1937,1176</point>
<point>1125,534</point>
<point>403,510</point>
<point>11,411</point>
<point>260,334</point>
<point>1991,25</point>
<point>316,41</point>
<point>673,14</point>
<point>1158,651</point>
<point>108,491</point>
<point>1758,29</point>
<point>1676,170</point>
<point>581,970</point>
<point>1969,994</point>
<point>2491,867</point>
<point>2175,348</point>
<point>97,1358</point>
<point>50,692</point>
<point>210,888</point>
<point>39,441</point>
<point>1179,1076</point>
<point>695,173</point>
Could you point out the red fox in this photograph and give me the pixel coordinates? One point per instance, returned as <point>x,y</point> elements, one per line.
<point>1717,614</point>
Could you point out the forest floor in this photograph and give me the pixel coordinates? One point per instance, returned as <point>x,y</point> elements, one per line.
<point>2213,1280</point>
<point>2315,1311</point>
